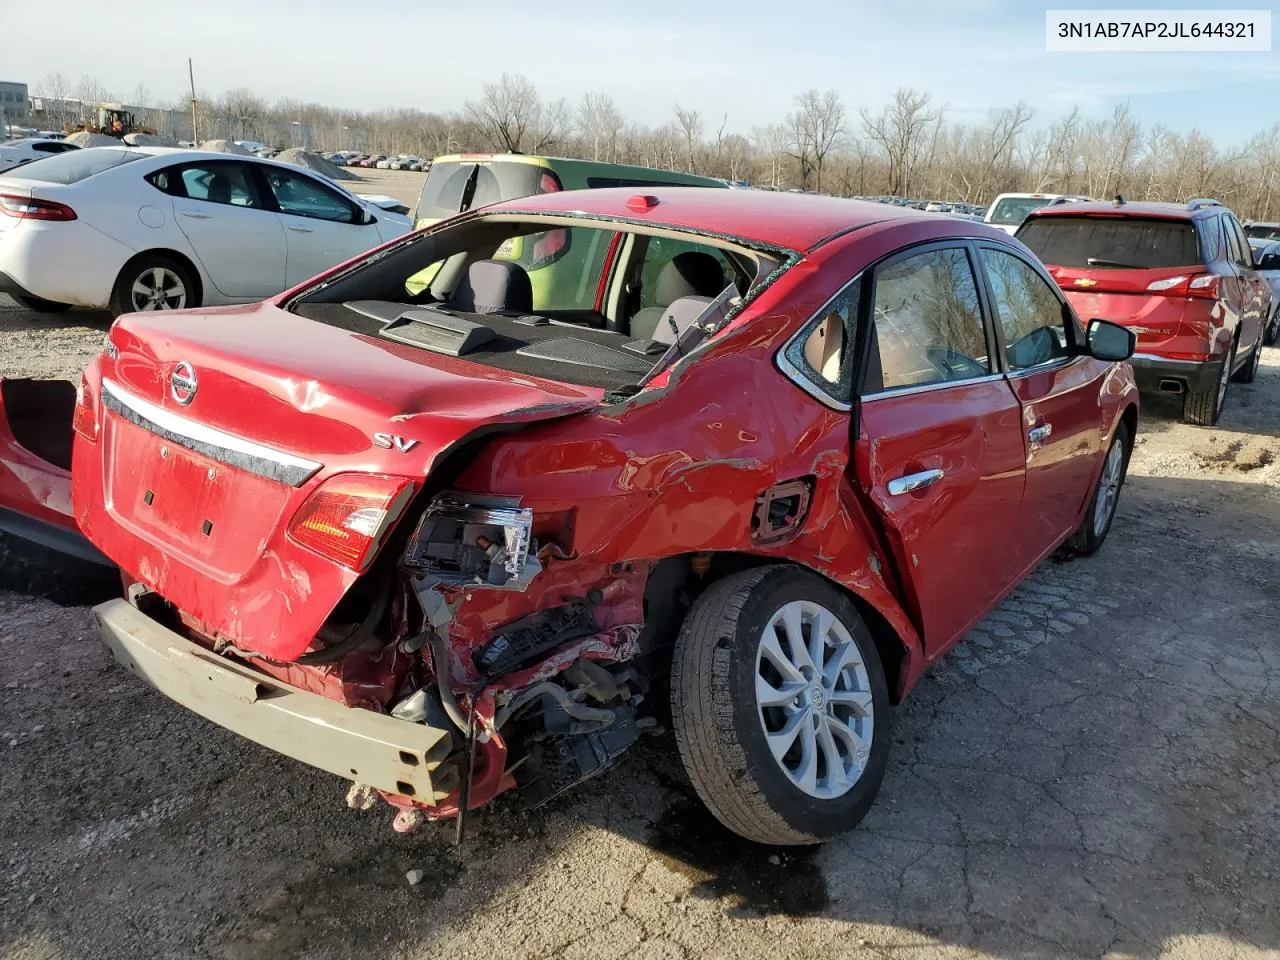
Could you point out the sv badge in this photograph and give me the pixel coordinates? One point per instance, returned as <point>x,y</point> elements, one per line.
<point>391,441</point>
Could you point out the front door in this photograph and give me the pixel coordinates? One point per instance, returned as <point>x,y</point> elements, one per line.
<point>939,448</point>
<point>1057,389</point>
<point>322,227</point>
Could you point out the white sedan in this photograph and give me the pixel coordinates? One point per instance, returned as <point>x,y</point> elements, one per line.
<point>15,153</point>
<point>152,228</point>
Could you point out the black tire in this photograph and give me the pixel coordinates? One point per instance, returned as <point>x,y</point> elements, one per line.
<point>1249,372</point>
<point>139,270</point>
<point>1093,530</point>
<point>719,728</point>
<point>41,304</point>
<point>1203,407</point>
<point>1272,333</point>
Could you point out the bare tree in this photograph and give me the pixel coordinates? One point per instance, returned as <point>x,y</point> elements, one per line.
<point>600,123</point>
<point>57,88</point>
<point>771,141</point>
<point>508,114</point>
<point>901,131</point>
<point>90,93</point>
<point>690,122</point>
<point>813,130</point>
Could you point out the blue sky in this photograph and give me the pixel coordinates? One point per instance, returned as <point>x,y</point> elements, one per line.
<point>746,58</point>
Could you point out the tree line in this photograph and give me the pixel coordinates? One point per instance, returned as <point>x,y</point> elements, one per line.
<point>908,147</point>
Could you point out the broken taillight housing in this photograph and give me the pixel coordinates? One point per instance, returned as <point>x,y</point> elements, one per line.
<point>470,539</point>
<point>84,420</point>
<point>347,517</point>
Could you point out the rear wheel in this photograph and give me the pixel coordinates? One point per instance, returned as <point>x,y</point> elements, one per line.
<point>153,282</point>
<point>1204,406</point>
<point>41,304</point>
<point>780,706</point>
<point>1273,329</point>
<point>1249,371</point>
<point>1102,508</point>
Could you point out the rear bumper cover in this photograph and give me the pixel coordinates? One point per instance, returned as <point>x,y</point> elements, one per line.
<point>386,753</point>
<point>12,287</point>
<point>1194,375</point>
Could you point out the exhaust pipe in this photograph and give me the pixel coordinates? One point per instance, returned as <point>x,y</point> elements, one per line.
<point>1170,386</point>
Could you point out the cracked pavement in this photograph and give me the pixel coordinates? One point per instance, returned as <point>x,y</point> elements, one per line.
<point>1092,773</point>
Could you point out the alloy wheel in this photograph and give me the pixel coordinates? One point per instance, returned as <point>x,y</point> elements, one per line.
<point>1104,504</point>
<point>813,697</point>
<point>158,288</point>
<point>1225,377</point>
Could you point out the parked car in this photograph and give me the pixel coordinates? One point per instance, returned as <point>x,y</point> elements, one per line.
<point>1181,276</point>
<point>463,182</point>
<point>143,228</point>
<point>453,544</point>
<point>1008,210</point>
<point>16,153</point>
<point>1266,255</point>
<point>1261,231</point>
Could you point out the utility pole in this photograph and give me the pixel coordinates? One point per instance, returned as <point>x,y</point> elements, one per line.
<point>191,75</point>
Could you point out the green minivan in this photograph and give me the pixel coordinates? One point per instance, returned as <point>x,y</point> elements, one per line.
<point>460,182</point>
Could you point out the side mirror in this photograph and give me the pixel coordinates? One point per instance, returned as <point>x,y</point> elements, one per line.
<point>1269,262</point>
<point>1110,341</point>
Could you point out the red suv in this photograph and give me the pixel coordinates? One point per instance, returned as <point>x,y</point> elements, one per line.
<point>1181,277</point>
<point>764,459</point>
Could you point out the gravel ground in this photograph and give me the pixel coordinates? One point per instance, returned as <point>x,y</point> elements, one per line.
<point>1093,773</point>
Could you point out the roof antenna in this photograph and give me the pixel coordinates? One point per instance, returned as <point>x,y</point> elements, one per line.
<point>1120,201</point>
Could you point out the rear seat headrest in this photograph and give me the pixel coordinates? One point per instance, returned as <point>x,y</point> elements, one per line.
<point>493,286</point>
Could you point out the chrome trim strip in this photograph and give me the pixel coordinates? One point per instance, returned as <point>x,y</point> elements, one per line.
<point>930,387</point>
<point>1047,365</point>
<point>223,447</point>
<point>1153,360</point>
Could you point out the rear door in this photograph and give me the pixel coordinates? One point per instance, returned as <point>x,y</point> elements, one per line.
<point>1057,389</point>
<point>321,226</point>
<point>939,450</point>
<point>1254,293</point>
<point>221,211</point>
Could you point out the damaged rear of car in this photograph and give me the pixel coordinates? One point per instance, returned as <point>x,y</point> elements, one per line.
<point>446,541</point>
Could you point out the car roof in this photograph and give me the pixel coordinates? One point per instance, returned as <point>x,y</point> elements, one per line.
<point>796,221</point>
<point>1165,211</point>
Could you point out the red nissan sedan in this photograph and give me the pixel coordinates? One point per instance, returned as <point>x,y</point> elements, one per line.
<point>757,463</point>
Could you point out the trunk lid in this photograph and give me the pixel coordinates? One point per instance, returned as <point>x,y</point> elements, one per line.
<point>193,479</point>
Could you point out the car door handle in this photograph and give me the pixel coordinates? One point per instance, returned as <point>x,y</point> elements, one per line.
<point>302,230</point>
<point>1041,433</point>
<point>914,481</point>
<point>197,216</point>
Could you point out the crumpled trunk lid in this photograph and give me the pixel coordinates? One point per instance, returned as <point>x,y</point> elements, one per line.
<point>215,426</point>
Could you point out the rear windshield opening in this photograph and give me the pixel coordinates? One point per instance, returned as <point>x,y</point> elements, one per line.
<point>1111,242</point>
<point>593,305</point>
<point>455,186</point>
<point>74,165</point>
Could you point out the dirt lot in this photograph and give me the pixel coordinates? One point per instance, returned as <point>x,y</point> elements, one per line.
<point>1095,772</point>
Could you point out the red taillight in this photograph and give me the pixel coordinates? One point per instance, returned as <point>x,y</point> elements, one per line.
<point>29,208</point>
<point>1205,286</point>
<point>84,420</point>
<point>347,517</point>
<point>549,183</point>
